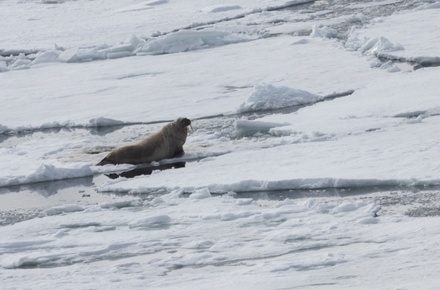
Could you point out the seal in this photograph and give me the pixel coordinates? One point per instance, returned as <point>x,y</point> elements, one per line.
<point>166,143</point>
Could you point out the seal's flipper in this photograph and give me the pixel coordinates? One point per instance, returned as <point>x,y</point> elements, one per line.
<point>104,162</point>
<point>179,152</point>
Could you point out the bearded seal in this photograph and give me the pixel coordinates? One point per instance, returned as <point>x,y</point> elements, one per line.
<point>167,143</point>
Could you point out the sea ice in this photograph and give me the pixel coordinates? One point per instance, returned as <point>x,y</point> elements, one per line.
<point>386,133</point>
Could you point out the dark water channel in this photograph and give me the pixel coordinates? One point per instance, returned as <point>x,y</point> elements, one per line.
<point>19,203</point>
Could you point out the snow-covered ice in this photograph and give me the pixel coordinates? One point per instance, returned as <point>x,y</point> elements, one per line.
<point>289,100</point>
<point>220,242</point>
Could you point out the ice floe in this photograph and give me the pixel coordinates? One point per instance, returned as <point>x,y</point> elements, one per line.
<point>48,172</point>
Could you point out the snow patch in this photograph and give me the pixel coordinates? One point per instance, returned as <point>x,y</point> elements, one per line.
<point>323,31</point>
<point>269,97</point>
<point>4,129</point>
<point>435,5</point>
<point>246,127</point>
<point>68,208</point>
<point>122,204</point>
<point>370,46</point>
<point>3,67</point>
<point>141,6</point>
<point>152,221</point>
<point>81,55</point>
<point>368,220</point>
<point>52,1</point>
<point>104,122</point>
<point>124,49</point>
<point>243,201</point>
<point>203,244</point>
<point>378,45</point>
<point>301,41</point>
<point>200,194</point>
<point>180,41</point>
<point>187,40</point>
<point>46,56</point>
<point>20,62</point>
<point>55,124</point>
<point>220,8</point>
<point>110,168</point>
<point>283,210</point>
<point>156,2</point>
<point>231,216</point>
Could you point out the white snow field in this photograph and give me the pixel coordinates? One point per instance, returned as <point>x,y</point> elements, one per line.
<point>289,100</point>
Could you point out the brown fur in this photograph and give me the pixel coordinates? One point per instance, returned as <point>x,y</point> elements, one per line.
<point>166,143</point>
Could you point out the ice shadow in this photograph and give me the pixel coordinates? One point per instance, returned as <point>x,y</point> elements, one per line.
<point>145,170</point>
<point>328,192</point>
<point>30,132</point>
<point>104,130</point>
<point>49,188</point>
<point>291,109</point>
<point>414,62</point>
<point>101,130</point>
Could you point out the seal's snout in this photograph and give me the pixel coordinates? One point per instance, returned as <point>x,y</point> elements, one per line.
<point>186,122</point>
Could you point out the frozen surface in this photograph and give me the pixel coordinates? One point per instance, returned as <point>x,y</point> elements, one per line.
<point>153,88</point>
<point>31,24</point>
<point>329,95</point>
<point>160,244</point>
<point>418,25</point>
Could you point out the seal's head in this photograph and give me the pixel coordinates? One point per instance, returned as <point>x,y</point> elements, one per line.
<point>184,123</point>
<point>179,129</point>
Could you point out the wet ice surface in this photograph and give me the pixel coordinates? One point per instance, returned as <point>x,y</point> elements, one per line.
<point>312,163</point>
<point>28,201</point>
<point>23,202</point>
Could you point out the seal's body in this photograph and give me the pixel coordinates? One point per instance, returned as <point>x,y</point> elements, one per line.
<point>167,143</point>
